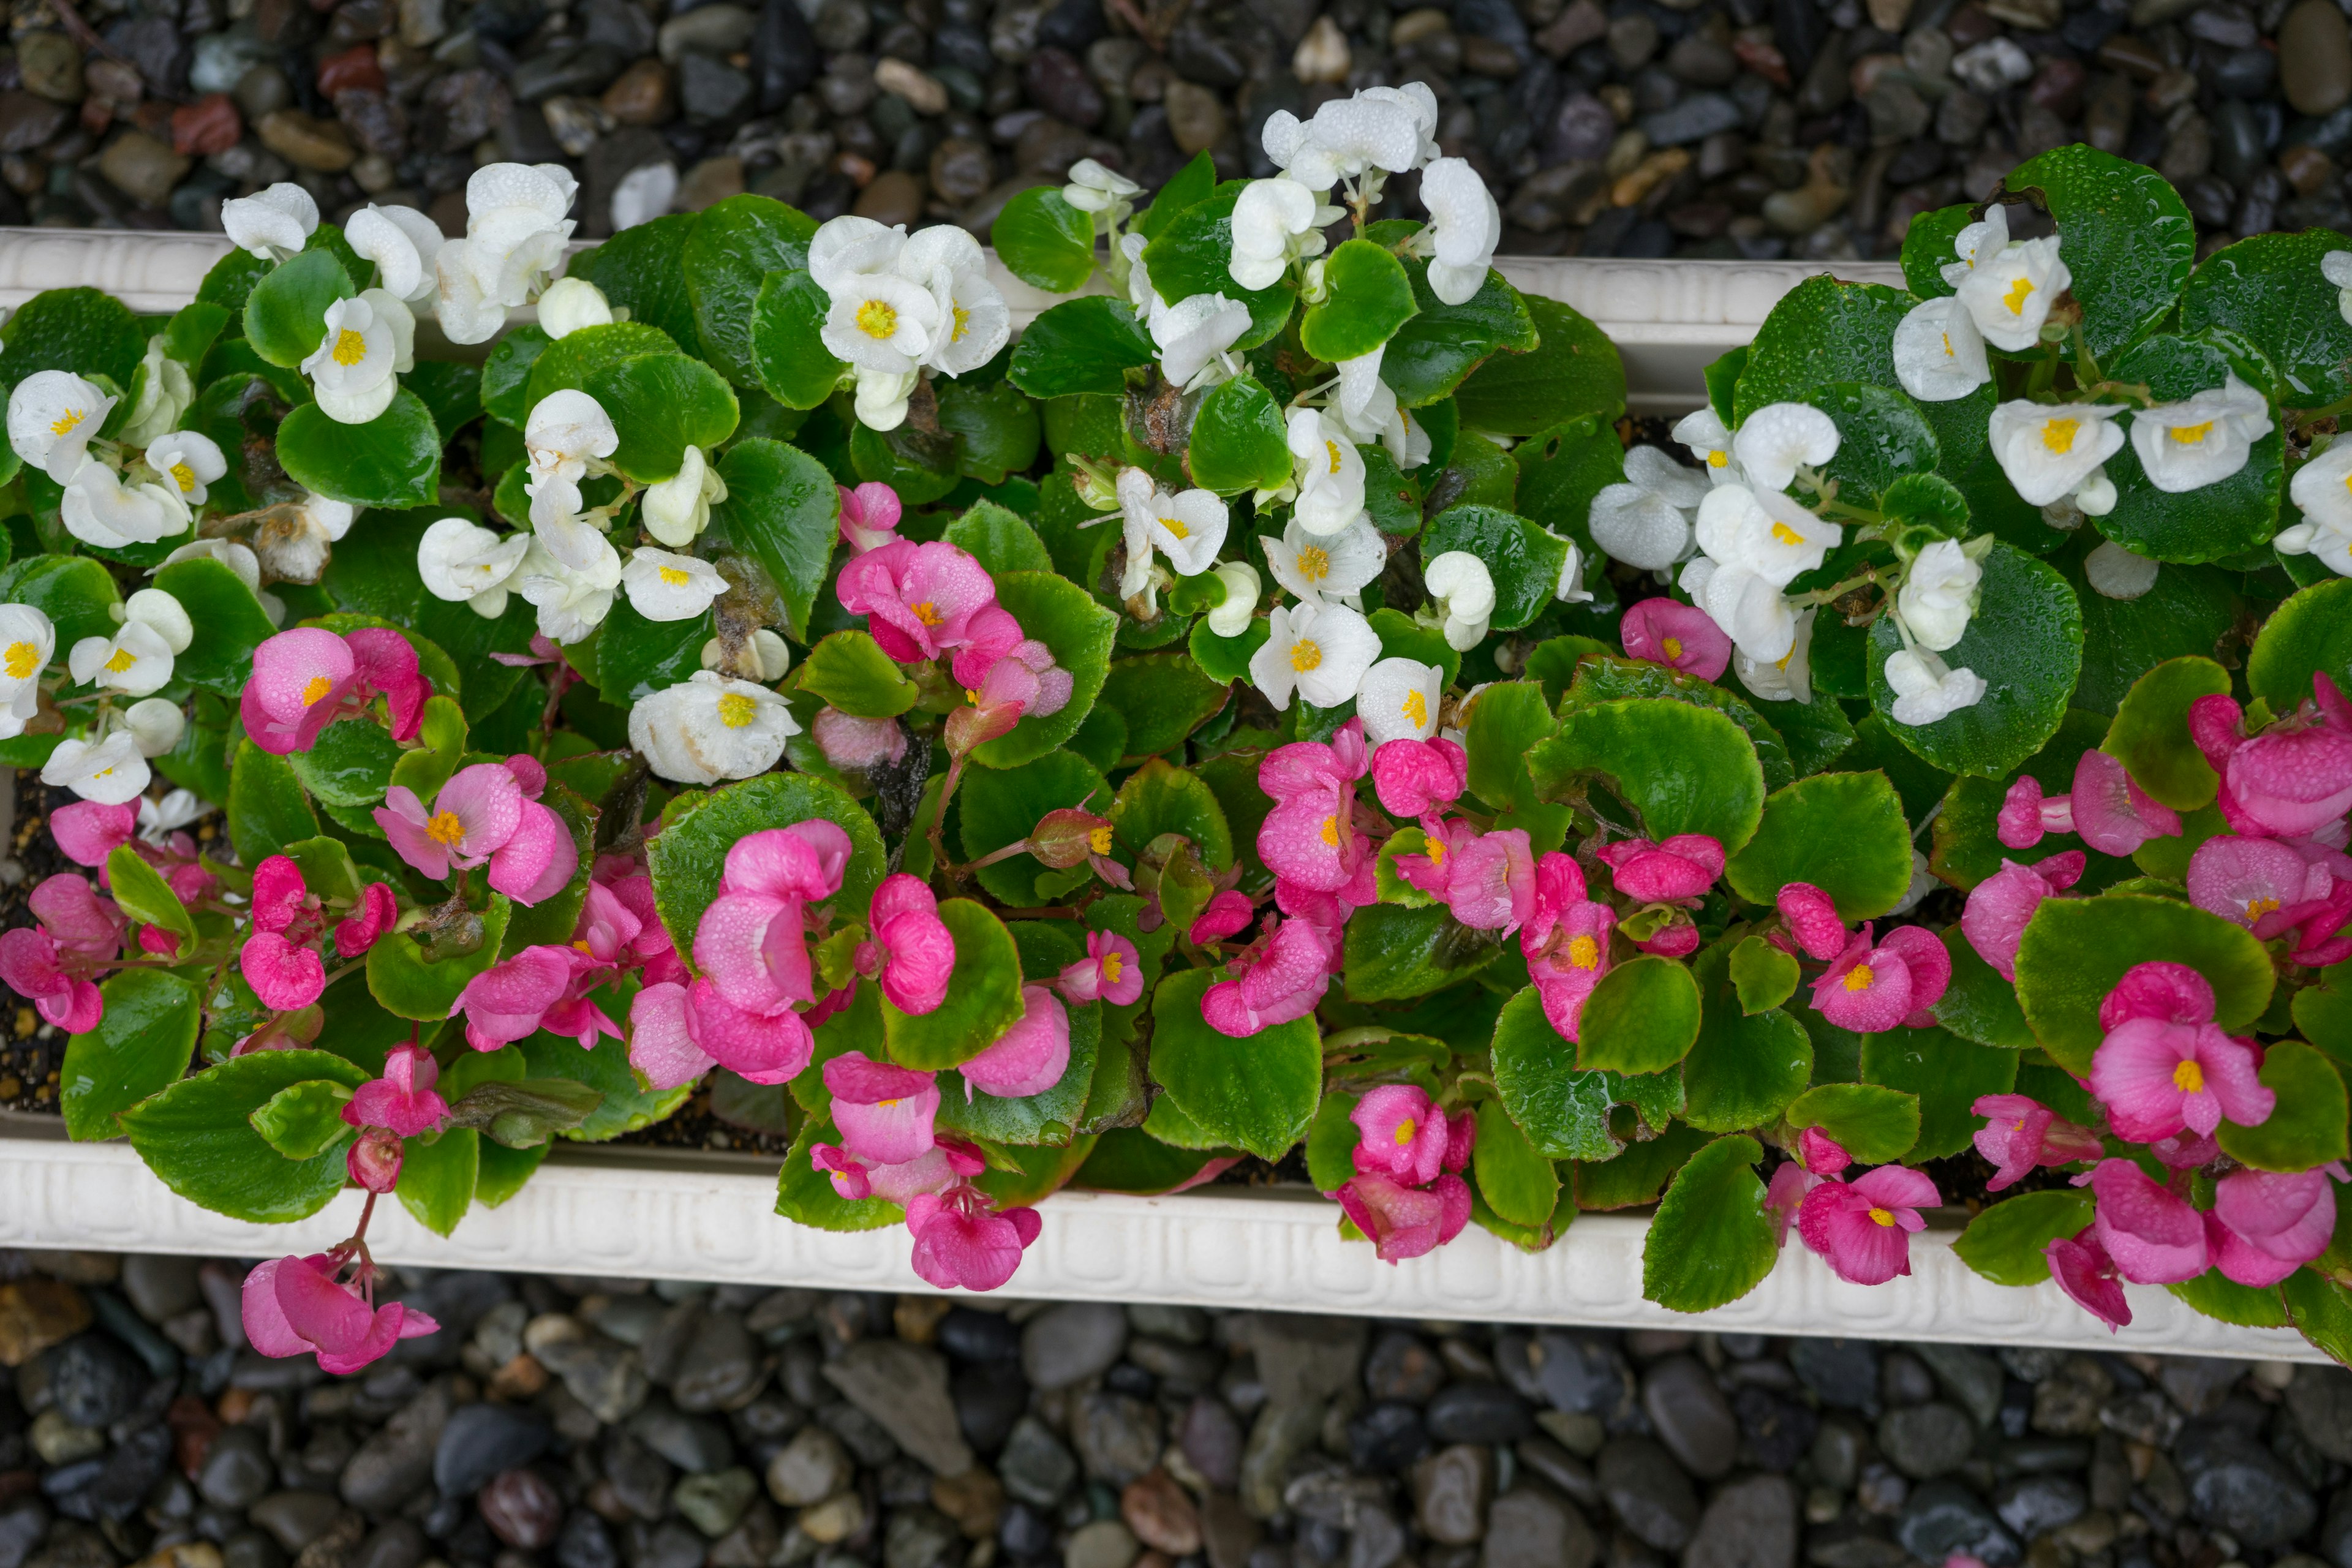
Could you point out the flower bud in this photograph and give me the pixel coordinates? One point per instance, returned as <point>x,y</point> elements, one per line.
<point>374,1161</point>
<point>1231,618</point>
<point>156,723</point>
<point>571,303</point>
<point>1065,838</point>
<point>974,725</point>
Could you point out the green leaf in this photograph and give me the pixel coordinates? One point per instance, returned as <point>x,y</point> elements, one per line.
<point>2268,289</point>
<point>784,507</point>
<point>1821,333</point>
<point>1080,345</point>
<point>193,328</point>
<point>999,540</point>
<point>1189,186</point>
<point>697,829</point>
<point>1561,471</point>
<point>578,355</point>
<point>804,1194</point>
<point>661,405</point>
<point>1507,723</point>
<point>351,766</point>
<point>392,460</point>
<point>1079,632</point>
<point>1238,441</point>
<point>1979,1004</point>
<point>2126,237</point>
<point>982,1001</point>
<point>77,592</point>
<point>1045,241</point>
<point>1393,951</point>
<point>851,672</point>
<point>1603,677</point>
<point>2307,1128</point>
<point>141,892</point>
<point>1428,357</point>
<point>919,465</point>
<point>452,392</point>
<point>1367,297</point>
<point>1712,1241</point>
<point>232,620</point>
<point>1746,1067</point>
<point>1164,696</point>
<point>1572,371</point>
<point>624,1104</point>
<point>84,331</point>
<point>999,806</point>
<point>1193,255</point>
<point>1947,1073</point>
<point>1564,1110</point>
<point>642,270</point>
<point>197,1138</point>
<point>506,375</point>
<point>437,1174</point>
<point>141,1047</point>
<point>2309,635</point>
<point>305,1121</point>
<point>1683,768</point>
<point>286,314</point>
<point>266,807</point>
<point>2025,642</point>
<point>1927,249</point>
<point>727,259</point>
<point>787,342</point>
<point>1882,438</point>
<point>2321,1310</point>
<point>413,983</point>
<point>1874,1124</point>
<point>2189,612</point>
<point>1158,799</point>
<point>1331,1141</point>
<point>1047,1117</point>
<point>1227,659</point>
<point>1524,560</point>
<point>996,429</point>
<point>1636,1176</point>
<point>1762,975</point>
<point>2007,1241</point>
<point>2212,522</point>
<point>1842,833</point>
<point>1642,1018</point>
<point>635,656</point>
<point>1257,1094</point>
<point>2075,950</point>
<point>2150,734</point>
<point>1517,1183</point>
<point>2222,1299</point>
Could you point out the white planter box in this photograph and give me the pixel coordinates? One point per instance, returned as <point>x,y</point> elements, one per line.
<point>654,1214</point>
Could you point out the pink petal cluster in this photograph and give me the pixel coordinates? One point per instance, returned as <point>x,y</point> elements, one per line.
<point>2151,1234</point>
<point>1871,987</point>
<point>1811,919</point>
<point>883,1112</point>
<point>1418,778</point>
<point>1784,1196</point>
<point>1820,1154</point>
<point>1228,914</point>
<point>402,1101</point>
<point>53,964</point>
<point>2082,1270</point>
<point>488,813</point>
<point>1492,884</point>
<point>962,1239</point>
<point>1403,1135</point>
<point>2165,1065</point>
<point>2263,1226</point>
<point>930,601</point>
<point>1684,867</point>
<point>306,677</point>
<point>2294,778</point>
<point>2107,809</point>
<point>1680,636</point>
<point>541,987</point>
<point>1279,977</point>
<point>911,952</point>
<point>280,959</point>
<point>1311,838</point>
<point>295,1306</point>
<point>1565,940</point>
<point>1112,971</point>
<point>88,831</point>
<point>1404,1222</point>
<point>1864,1227</point>
<point>2001,906</point>
<point>850,742</point>
<point>869,516</point>
<point>2279,887</point>
<point>2021,1134</point>
<point>1028,1059</point>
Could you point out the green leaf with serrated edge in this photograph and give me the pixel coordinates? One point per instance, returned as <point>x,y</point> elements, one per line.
<point>141,892</point>
<point>1927,249</point>
<point>2126,238</point>
<point>2310,635</point>
<point>1394,952</point>
<point>1524,560</point>
<point>266,807</point>
<point>2269,289</point>
<point>1842,833</point>
<point>2025,642</point>
<point>1157,798</point>
<point>641,270</point>
<point>996,429</point>
<point>1429,354</point>
<point>195,1137</point>
<point>1169,1122</point>
<point>784,507</point>
<point>1947,1073</point>
<point>141,1047</point>
<point>851,672</point>
<point>506,375</point>
<point>1572,371</point>
<point>661,405</point>
<point>2189,612</point>
<point>1507,721</point>
<point>805,1194</point>
<point>1257,1094</point>
<point>1762,976</point>
<point>1045,241</point>
<point>2307,1126</point>
<point>983,999</point>
<point>1048,1117</point>
<point>1882,437</point>
<point>2075,950</point>
<point>83,331</point>
<point>1683,768</point>
<point>1367,297</point>
<point>438,1176</point>
<point>568,361</point>
<point>1564,1110</point>
<point>1080,345</point>
<point>2216,1296</point>
<point>1603,677</point>
<point>1642,1018</point>
<point>1227,659</point>
<point>1873,1123</point>
<point>1637,1175</point>
<point>1000,539</point>
<point>2150,734</point>
<point>1331,1142</point>
<point>1238,442</point>
<point>727,259</point>
<point>2213,520</point>
<point>1517,1183</point>
<point>787,342</point>
<point>636,656</point>
<point>351,766</point>
<point>1822,332</point>
<point>1164,696</point>
<point>697,829</point>
<point>1712,1241</point>
<point>232,620</point>
<point>2321,1310</point>
<point>1561,471</point>
<point>1079,633</point>
<point>1979,1004</point>
<point>1926,500</point>
<point>1130,1159</point>
<point>2007,1242</point>
<point>76,593</point>
<point>286,314</point>
<point>304,1121</point>
<point>1745,1068</point>
<point>392,460</point>
<point>415,983</point>
<point>995,807</point>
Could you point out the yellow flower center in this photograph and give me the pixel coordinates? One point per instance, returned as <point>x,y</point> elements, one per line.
<point>63,425</point>
<point>318,685</point>
<point>1786,535</point>
<point>1314,563</point>
<point>877,320</point>
<point>673,576</point>
<point>21,659</point>
<point>1304,656</point>
<point>2190,435</point>
<point>1333,448</point>
<point>101,774</point>
<point>1437,852</point>
<point>928,612</point>
<point>1674,646</point>
<point>1175,525</point>
<point>1947,345</point>
<point>1332,831</point>
<point>121,659</point>
<point>1098,841</point>
<point>444,829</point>
<point>1717,459</point>
<point>185,476</point>
<point>2255,908</point>
<point>1404,1132</point>
<point>1880,1216</point>
<point>962,321</point>
<point>2188,1077</point>
<point>1859,977</point>
<point>735,710</point>
<point>2015,298</point>
<point>1113,965</point>
<point>885,1105</point>
<point>1583,951</point>
<point>2058,434</point>
<point>350,348</point>
<point>1416,708</point>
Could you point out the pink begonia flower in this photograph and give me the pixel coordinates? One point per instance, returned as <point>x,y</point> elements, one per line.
<point>88,831</point>
<point>1025,674</point>
<point>374,1161</point>
<point>2186,1150</point>
<point>385,662</point>
<point>1784,1196</point>
<point>2166,1065</point>
<point>1310,837</point>
<point>1431,870</point>
<point>1684,867</point>
<point>542,651</point>
<point>1813,920</point>
<point>960,1239</point>
<point>912,951</point>
<point>851,742</point>
<point>1402,1134</point>
<point>761,1045</point>
<point>1678,938</point>
<point>1492,887</point>
<point>2001,906</point>
<point>473,816</point>
<point>2274,886</point>
<point>752,942</point>
<point>1680,636</point>
<point>1405,1222</point>
<point>2022,1134</point>
<point>884,1112</point>
<point>2106,808</point>
<point>2263,1227</point>
<point>1028,1059</point>
<point>1870,989</point>
<point>2084,1270</point>
<point>376,913</point>
<point>2294,778</point>
<point>662,1045</point>
<point>71,911</point>
<point>869,515</point>
<point>935,1170</point>
<point>1228,912</point>
<point>607,928</point>
<point>2154,1237</point>
<point>1282,978</point>
<point>33,967</point>
<point>1418,778</point>
<point>402,1101</point>
<point>301,679</point>
<point>1864,1227</point>
<point>1112,971</point>
<point>538,860</point>
<point>920,600</point>
<point>293,1306</point>
<point>277,959</point>
<point>1565,941</point>
<point>543,987</point>
<point>1821,1154</point>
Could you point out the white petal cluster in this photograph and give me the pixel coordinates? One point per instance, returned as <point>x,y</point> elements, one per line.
<point>2006,286</point>
<point>137,660</point>
<point>111,770</point>
<point>1775,441</point>
<point>570,602</point>
<point>709,728</point>
<point>404,244</point>
<point>1379,131</point>
<point>898,306</point>
<point>1195,338</point>
<point>1926,689</point>
<point>2200,440</point>
<point>663,586</point>
<point>1093,188</point>
<point>1465,226</point>
<point>98,508</point>
<point>465,562</point>
<point>52,414</point>
<point>1321,652</point>
<point>1461,597</point>
<point>27,642</point>
<point>1275,223</point>
<point>190,460</point>
<point>1317,566</point>
<point>1789,677</point>
<point>2322,492</point>
<point>1939,594</point>
<point>162,391</point>
<point>1709,440</point>
<point>271,225</point>
<point>567,437</point>
<point>1940,355</point>
<point>678,508</point>
<point>1188,527</point>
<point>294,544</point>
<point>354,371</point>
<point>1399,701</point>
<point>1645,520</point>
<point>1328,471</point>
<point>515,230</point>
<point>2051,451</point>
<point>1365,407</point>
<point>1754,543</point>
<point>571,303</point>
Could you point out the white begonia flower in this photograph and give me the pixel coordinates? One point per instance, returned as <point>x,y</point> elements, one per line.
<point>1319,651</point>
<point>2010,294</point>
<point>710,728</point>
<point>1275,223</point>
<point>1188,527</point>
<point>1140,292</point>
<point>189,460</point>
<point>974,322</point>
<point>1927,690</point>
<point>404,244</point>
<point>1789,678</point>
<point>1978,241</point>
<point>1366,405</point>
<point>2337,268</point>
<point>771,654</point>
<point>666,587</point>
<point>2114,573</point>
<point>98,509</point>
<point>462,561</point>
<point>294,545</point>
<point>1195,338</point>
<point>235,554</point>
<point>165,391</point>
<point>881,399</point>
<point>1388,129</point>
<point>271,225</point>
<point>1763,532</point>
<point>52,414</point>
<point>154,725</point>
<point>1462,593</point>
<point>162,614</point>
<point>2322,492</point>
<point>571,604</point>
<point>1750,609</point>
<point>1709,440</point>
<point>850,247</point>
<point>515,230</point>
<point>1940,355</point>
<point>109,771</point>
<point>1399,701</point>
<point>571,303</point>
<point>574,538</point>
<point>1318,566</point>
<point>355,369</point>
<point>1775,440</point>
<point>1407,440</point>
<point>1939,594</point>
<point>159,819</point>
<point>1645,521</point>
<point>1568,587</point>
<point>27,641</point>
<point>17,710</point>
<point>2050,451</point>
<point>566,433</point>
<point>1465,226</point>
<point>1232,616</point>
<point>879,318</point>
<point>1093,188</point>
<point>1328,471</point>
<point>678,508</point>
<point>2200,440</point>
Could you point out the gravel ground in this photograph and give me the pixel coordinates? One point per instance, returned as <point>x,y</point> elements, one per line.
<point>608,1423</point>
<point>1727,128</point>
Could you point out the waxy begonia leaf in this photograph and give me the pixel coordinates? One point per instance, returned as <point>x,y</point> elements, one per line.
<point>1000,539</point>
<point>805,1194</point>
<point>1080,345</point>
<point>1042,1172</point>
<point>983,998</point>
<point>1367,297</point>
<point>351,766</point>
<point>1000,806</point>
<point>1428,356</point>
<point>1507,723</point>
<point>392,460</point>
<point>1979,1004</point>
<point>2150,734</point>
<point>1157,798</point>
<point>1947,1073</point>
<point>2217,1296</point>
<point>2321,1308</point>
<point>2075,950</point>
<point>727,259</point>
<point>286,314</point>
<point>1637,1175</point>
<point>1078,632</point>
<point>1393,951</point>
<point>76,593</point>
<point>1524,560</point>
<point>572,360</point>
<point>2307,1126</point>
<point>1573,370</point>
<point>2007,1241</point>
<point>305,1121</point>
<point>1685,769</point>
<point>2309,635</point>
<point>232,620</point>
<point>1927,249</point>
<point>1712,1241</point>
<point>1238,441</point>
<point>1048,1117</point>
<point>2187,614</point>
<point>1873,1123</point>
<point>2268,289</point>
<point>787,342</point>
<point>1193,255</point>
<point>642,269</point>
<point>1745,1068</point>
<point>199,1139</point>
<point>506,375</point>
<point>1842,833</point>
<point>1883,438</point>
<point>689,855</point>
<point>995,427</point>
<point>1519,1184</point>
<point>416,982</point>
<point>267,809</point>
<point>661,405</point>
<point>785,509</point>
<point>1563,1109</point>
<point>852,673</point>
<point>2125,234</point>
<point>1163,697</point>
<point>1258,1094</point>
<point>141,1047</point>
<point>1130,1159</point>
<point>1562,469</point>
<point>1822,332</point>
<point>1642,1018</point>
<point>1045,241</point>
<point>437,1174</point>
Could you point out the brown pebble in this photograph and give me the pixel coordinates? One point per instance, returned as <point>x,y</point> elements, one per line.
<point>209,125</point>
<point>896,197</point>
<point>2307,169</point>
<point>645,94</point>
<point>35,1313</point>
<point>306,142</point>
<point>1161,1514</point>
<point>2315,57</point>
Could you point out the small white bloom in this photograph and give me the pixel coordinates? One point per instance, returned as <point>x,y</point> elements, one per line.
<point>1366,405</point>
<point>571,604</point>
<point>2115,572</point>
<point>1317,566</point>
<point>1380,129</point>
<point>644,193</point>
<point>515,230</point>
<point>881,400</point>
<point>354,370</point>
<point>2048,451</point>
<point>235,554</point>
<point>164,390</point>
<point>98,509</point>
<point>110,771</point>
<point>711,727</point>
<point>271,225</point>
<point>19,710</point>
<point>462,561</point>
<point>1407,439</point>
<point>2322,490</point>
<point>1195,338</point>
<point>973,322</point>
<point>678,508</point>
<point>159,819</point>
<point>1940,355</point>
<point>2337,268</point>
<point>1328,471</point>
<point>571,303</point>
<point>2010,295</point>
<point>1399,701</point>
<point>404,244</point>
<point>1188,527</point>
<point>1231,618</point>
<point>1140,292</point>
<point>881,321</point>
<point>1789,678</point>
<point>1775,440</point>
<point>1709,440</point>
<point>1319,651</point>
<point>666,587</point>
<point>1749,607</point>
<point>566,432</point>
<point>2095,497</point>
<point>1465,226</point>
<point>188,459</point>
<point>1095,189</point>
<point>1763,532</point>
<point>767,657</point>
<point>1975,242</point>
<point>27,642</point>
<point>2200,440</point>
<point>154,725</point>
<point>1939,594</point>
<point>1646,521</point>
<point>295,545</point>
<point>164,615</point>
<point>1275,223</point>
<point>1926,690</point>
<point>572,536</point>
<point>467,314</point>
<point>848,247</point>
<point>52,414</point>
<point>1462,594</point>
